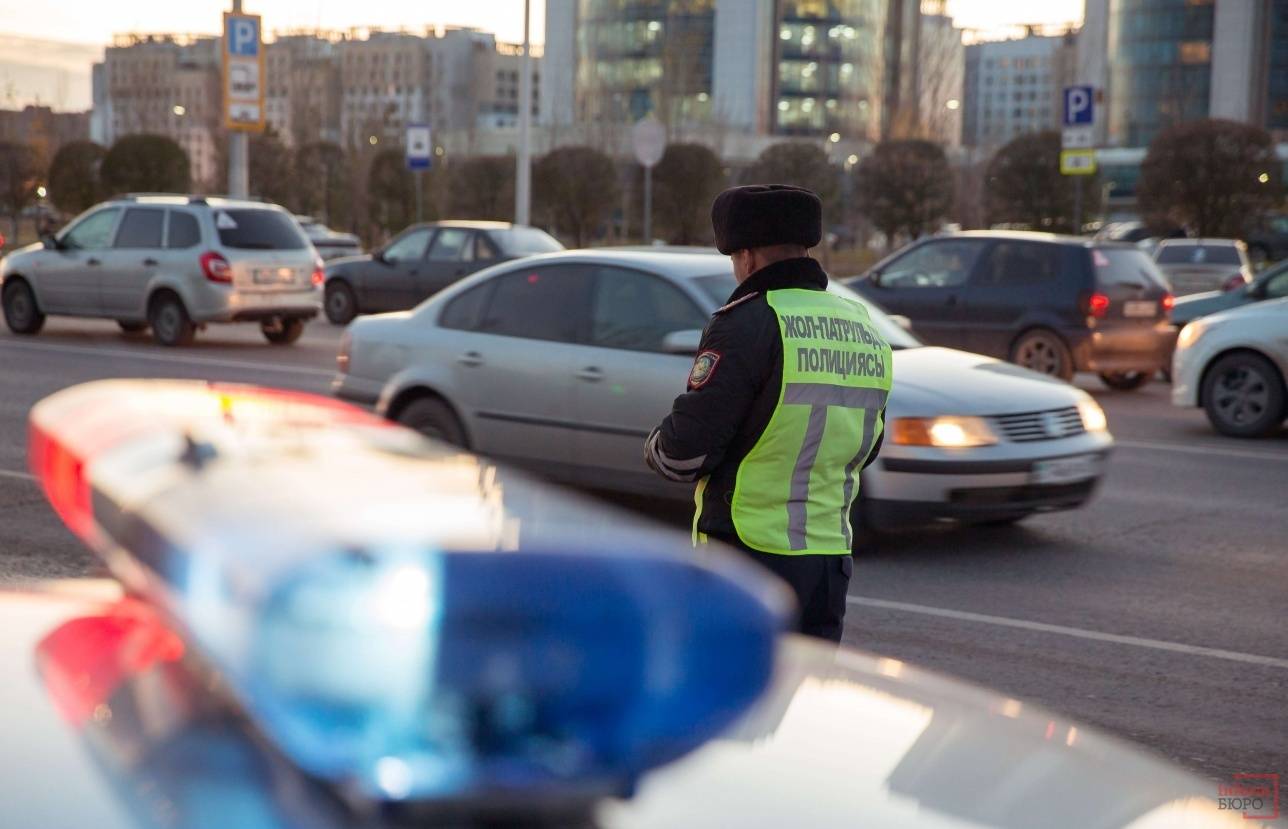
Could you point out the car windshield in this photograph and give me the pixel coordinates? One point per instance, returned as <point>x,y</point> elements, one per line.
<point>1198,255</point>
<point>719,286</point>
<point>523,241</point>
<point>258,229</point>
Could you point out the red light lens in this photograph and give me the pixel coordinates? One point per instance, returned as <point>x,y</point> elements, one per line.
<point>1097,305</point>
<point>62,475</point>
<point>1234,282</point>
<point>319,276</point>
<point>216,268</point>
<point>1169,302</point>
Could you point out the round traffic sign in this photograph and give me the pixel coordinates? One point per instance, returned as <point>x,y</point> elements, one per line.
<point>648,137</point>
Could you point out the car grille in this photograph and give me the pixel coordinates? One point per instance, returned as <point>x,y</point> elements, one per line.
<point>1051,424</point>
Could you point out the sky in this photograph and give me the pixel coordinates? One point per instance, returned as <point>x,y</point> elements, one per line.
<point>47,45</point>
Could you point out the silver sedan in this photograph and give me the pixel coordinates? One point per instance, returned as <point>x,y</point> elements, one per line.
<point>564,363</point>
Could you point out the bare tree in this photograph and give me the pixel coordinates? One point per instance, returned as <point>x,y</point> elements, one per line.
<point>802,163</point>
<point>1211,176</point>
<point>483,188</point>
<point>18,179</point>
<point>686,180</point>
<point>576,189</point>
<point>905,187</point>
<point>1024,185</point>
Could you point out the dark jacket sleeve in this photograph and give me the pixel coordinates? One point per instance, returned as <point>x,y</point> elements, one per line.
<point>694,438</point>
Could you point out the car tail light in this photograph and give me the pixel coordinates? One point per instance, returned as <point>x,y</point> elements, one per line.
<point>216,268</point>
<point>1169,303</point>
<point>1097,305</point>
<point>1235,282</point>
<point>319,275</point>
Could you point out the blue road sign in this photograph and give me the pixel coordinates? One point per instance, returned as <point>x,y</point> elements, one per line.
<point>1079,106</point>
<point>419,147</point>
<point>242,35</point>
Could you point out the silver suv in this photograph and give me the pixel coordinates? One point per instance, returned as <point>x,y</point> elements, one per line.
<point>171,263</point>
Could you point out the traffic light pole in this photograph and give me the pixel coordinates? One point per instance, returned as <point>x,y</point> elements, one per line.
<point>238,150</point>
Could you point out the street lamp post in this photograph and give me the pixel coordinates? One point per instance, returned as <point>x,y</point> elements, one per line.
<point>523,173</point>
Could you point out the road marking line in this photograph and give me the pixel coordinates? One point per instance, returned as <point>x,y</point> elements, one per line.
<point>163,358</point>
<point>1078,633</point>
<point>1201,450</point>
<point>21,476</point>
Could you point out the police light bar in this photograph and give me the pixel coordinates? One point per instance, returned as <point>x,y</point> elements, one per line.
<point>388,612</point>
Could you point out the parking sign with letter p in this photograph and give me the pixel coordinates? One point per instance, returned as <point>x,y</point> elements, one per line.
<point>1079,106</point>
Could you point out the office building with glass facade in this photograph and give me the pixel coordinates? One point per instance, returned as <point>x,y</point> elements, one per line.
<point>771,67</point>
<point>1168,61</point>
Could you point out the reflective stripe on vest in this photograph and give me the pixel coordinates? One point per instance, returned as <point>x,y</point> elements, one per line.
<point>794,489</point>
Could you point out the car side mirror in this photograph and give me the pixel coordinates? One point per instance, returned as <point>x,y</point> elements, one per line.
<point>49,241</point>
<point>682,342</point>
<point>901,321</point>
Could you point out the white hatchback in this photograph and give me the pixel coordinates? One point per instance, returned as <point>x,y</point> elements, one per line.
<point>1234,365</point>
<point>563,363</point>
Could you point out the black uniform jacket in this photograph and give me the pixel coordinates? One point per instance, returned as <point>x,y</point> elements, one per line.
<point>732,392</point>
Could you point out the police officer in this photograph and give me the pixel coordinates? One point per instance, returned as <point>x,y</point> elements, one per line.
<point>785,404</point>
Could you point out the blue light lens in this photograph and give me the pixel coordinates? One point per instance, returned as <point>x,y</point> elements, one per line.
<point>422,674</point>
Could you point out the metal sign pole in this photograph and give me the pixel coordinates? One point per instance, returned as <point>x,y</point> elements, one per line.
<point>523,161</point>
<point>420,186</point>
<point>648,204</point>
<point>648,138</point>
<point>1077,205</point>
<point>238,151</point>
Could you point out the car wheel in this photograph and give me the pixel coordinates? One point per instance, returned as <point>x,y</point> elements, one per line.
<point>340,303</point>
<point>21,313</point>
<point>1125,380</point>
<point>434,419</point>
<point>171,325</point>
<point>132,327</point>
<point>1043,351</point>
<point>1243,395</point>
<point>280,331</point>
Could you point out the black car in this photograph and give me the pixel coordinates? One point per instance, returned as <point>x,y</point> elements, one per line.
<point>1054,304</point>
<point>421,261</point>
<point>1267,239</point>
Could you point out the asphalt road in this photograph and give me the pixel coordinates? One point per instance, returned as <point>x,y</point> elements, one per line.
<point>1159,613</point>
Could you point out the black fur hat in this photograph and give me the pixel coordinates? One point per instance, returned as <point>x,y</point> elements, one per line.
<point>763,215</point>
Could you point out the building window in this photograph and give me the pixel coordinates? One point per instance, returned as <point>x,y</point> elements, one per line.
<point>1196,51</point>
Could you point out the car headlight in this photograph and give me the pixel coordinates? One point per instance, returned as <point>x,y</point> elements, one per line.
<point>947,431</point>
<point>1191,333</point>
<point>1093,417</point>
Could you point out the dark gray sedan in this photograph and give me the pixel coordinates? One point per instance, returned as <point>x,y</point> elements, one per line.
<point>1271,283</point>
<point>421,261</point>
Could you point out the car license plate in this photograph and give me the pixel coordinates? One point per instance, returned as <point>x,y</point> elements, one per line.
<point>1066,470</point>
<point>273,276</point>
<point>1139,308</point>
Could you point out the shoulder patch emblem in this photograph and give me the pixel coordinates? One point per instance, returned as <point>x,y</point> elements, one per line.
<point>740,300</point>
<point>703,367</point>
